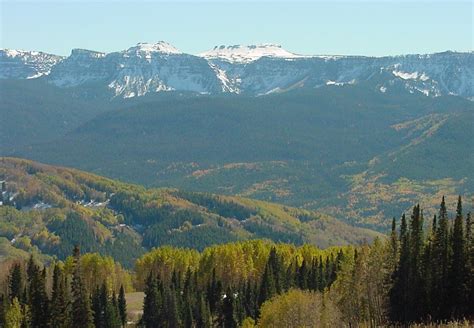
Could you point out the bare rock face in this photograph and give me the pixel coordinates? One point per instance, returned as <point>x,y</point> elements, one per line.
<point>19,64</point>
<point>254,70</point>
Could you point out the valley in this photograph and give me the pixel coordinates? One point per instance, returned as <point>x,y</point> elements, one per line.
<point>349,151</point>
<point>47,210</point>
<point>236,164</point>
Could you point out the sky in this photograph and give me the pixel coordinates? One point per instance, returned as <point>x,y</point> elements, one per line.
<point>354,27</point>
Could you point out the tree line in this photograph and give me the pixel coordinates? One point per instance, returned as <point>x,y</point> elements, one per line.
<point>433,279</point>
<point>415,275</point>
<point>423,272</point>
<point>33,299</point>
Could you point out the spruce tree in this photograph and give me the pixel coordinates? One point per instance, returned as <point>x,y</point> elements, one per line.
<point>81,314</point>
<point>203,319</point>
<point>228,316</point>
<point>267,286</point>
<point>122,306</point>
<point>214,292</point>
<point>15,284</point>
<point>38,299</point>
<point>313,276</point>
<point>188,319</point>
<point>428,269</point>
<point>112,316</point>
<point>458,271</point>
<point>59,300</point>
<point>250,300</point>
<point>441,252</point>
<point>275,263</point>
<point>3,309</point>
<point>303,276</point>
<point>151,310</point>
<point>399,292</point>
<point>321,275</point>
<point>290,275</point>
<point>171,312</point>
<point>98,308</point>
<point>416,293</point>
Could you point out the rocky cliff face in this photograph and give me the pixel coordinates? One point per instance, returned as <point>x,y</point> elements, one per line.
<point>255,70</point>
<point>18,64</point>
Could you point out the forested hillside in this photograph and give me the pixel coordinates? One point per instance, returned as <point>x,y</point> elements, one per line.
<point>47,210</point>
<point>350,151</point>
<point>415,276</point>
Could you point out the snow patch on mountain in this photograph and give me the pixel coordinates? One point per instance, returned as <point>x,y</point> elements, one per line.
<point>252,70</point>
<point>246,54</point>
<point>21,64</point>
<point>227,84</point>
<point>148,49</point>
<point>411,76</point>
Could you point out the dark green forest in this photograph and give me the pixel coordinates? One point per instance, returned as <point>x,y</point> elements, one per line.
<point>315,149</point>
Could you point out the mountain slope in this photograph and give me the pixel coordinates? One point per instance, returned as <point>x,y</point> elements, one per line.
<point>20,64</point>
<point>60,207</point>
<point>253,70</point>
<point>247,54</point>
<point>302,148</point>
<point>138,70</point>
<point>33,111</point>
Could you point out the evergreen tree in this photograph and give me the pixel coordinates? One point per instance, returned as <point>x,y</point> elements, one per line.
<point>313,276</point>
<point>38,299</point>
<point>15,282</point>
<point>112,317</point>
<point>3,309</point>
<point>214,292</point>
<point>428,269</point>
<point>416,294</point>
<point>122,306</point>
<point>188,314</point>
<point>250,300</point>
<point>239,308</point>
<point>98,308</point>
<point>81,314</point>
<point>275,263</point>
<point>228,316</point>
<point>441,253</point>
<point>303,276</point>
<point>399,292</point>
<point>290,276</point>
<point>321,275</point>
<point>203,319</point>
<point>59,300</point>
<point>172,317</point>
<point>151,314</point>
<point>267,286</point>
<point>458,271</point>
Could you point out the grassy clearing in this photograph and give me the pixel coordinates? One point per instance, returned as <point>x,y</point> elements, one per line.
<point>134,306</point>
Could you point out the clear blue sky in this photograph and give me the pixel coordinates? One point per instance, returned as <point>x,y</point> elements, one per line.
<point>317,27</point>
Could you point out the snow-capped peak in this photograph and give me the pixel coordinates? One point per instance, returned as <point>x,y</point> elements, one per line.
<point>84,53</point>
<point>148,48</point>
<point>246,54</point>
<point>12,53</point>
<point>25,64</point>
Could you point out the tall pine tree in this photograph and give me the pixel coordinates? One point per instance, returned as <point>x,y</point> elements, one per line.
<point>458,270</point>
<point>81,314</point>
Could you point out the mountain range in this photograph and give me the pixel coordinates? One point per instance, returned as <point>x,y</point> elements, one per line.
<point>250,70</point>
<point>359,138</point>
